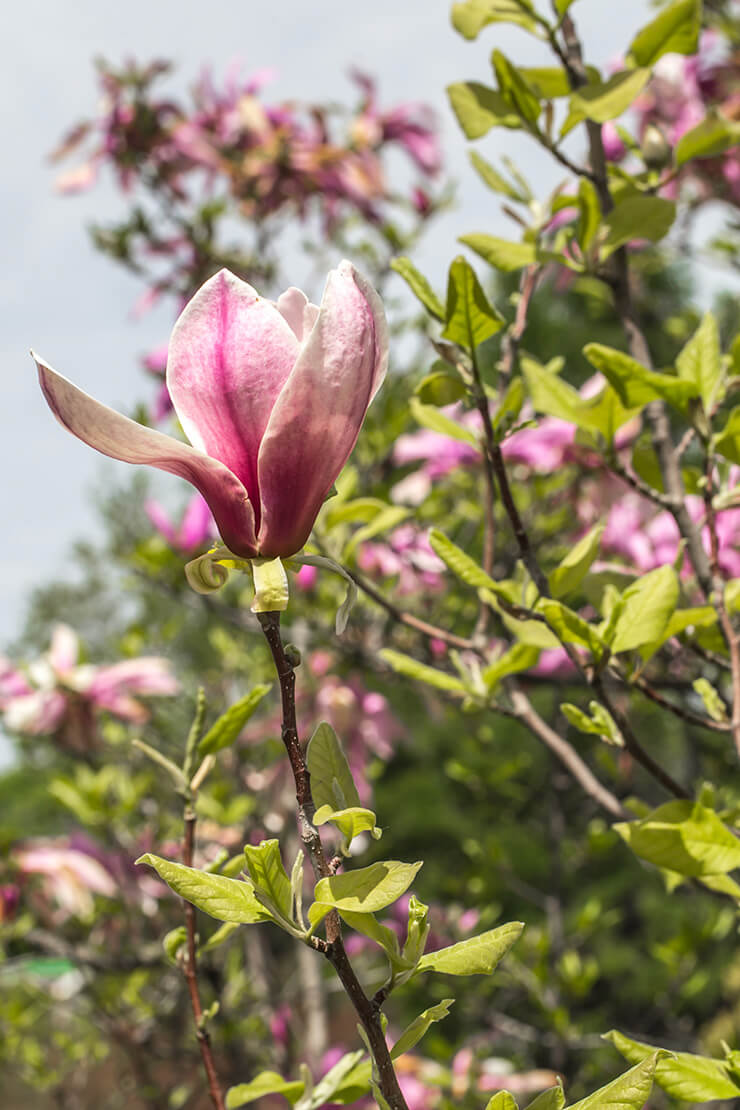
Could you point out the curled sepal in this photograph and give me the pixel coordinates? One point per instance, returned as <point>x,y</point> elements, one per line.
<point>270,586</point>
<point>210,572</point>
<point>350,597</point>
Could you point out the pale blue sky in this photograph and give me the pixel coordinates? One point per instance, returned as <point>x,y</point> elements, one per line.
<point>73,305</point>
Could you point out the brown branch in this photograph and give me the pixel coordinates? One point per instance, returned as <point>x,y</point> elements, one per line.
<point>679,711</point>
<point>729,631</point>
<point>333,949</point>
<point>190,970</point>
<point>524,711</point>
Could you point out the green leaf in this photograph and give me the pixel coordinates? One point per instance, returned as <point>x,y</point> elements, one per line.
<point>589,208</point>
<point>436,421</point>
<point>684,1075</point>
<point>569,627</point>
<point>685,837</point>
<point>547,82</point>
<point>366,924</point>
<point>711,137</point>
<point>494,180</point>
<point>419,286</point>
<point>460,562</point>
<point>417,931</point>
<point>228,726</point>
<point>477,956</point>
<point>346,1076</point>
<point>390,517</point>
<point>500,253</point>
<point>649,604</point>
<point>469,18</point>
<point>270,879</point>
<point>635,384</point>
<point>266,1083</point>
<point>515,89</point>
<point>331,779</point>
<point>700,361</point>
<point>350,821</point>
<point>600,723</point>
<point>549,393</point>
<point>470,319</point>
<point>478,108</point>
<point>551,1099</point>
<point>637,218</point>
<point>603,101</point>
<point>713,703</point>
<point>367,889</point>
<point>222,898</point>
<point>502,1101</point>
<point>441,388</point>
<point>414,1032</point>
<point>219,937</point>
<point>519,657</point>
<point>568,575</point>
<point>727,442</point>
<point>629,1091</point>
<point>412,668</point>
<point>675,30</point>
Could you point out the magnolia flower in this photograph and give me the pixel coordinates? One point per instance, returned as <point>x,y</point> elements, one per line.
<point>271,395</point>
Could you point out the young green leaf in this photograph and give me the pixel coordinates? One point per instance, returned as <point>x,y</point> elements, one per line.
<point>350,821</point>
<point>700,361</point>
<point>349,1076</point>
<point>682,1075</point>
<point>222,898</point>
<point>470,319</point>
<point>635,384</point>
<point>441,388</point>
<point>713,703</point>
<point>629,1091</point>
<point>711,137</point>
<point>603,101</point>
<point>331,779</point>
<point>417,931</point>
<point>568,575</point>
<point>228,726</point>
<point>685,837</point>
<point>460,562</point>
<point>366,924</point>
<point>503,1100</point>
<point>551,1099</point>
<point>436,421</point>
<point>569,627</point>
<point>515,89</point>
<point>367,889</point>
<point>649,604</point>
<point>414,1032</point>
<point>727,442</point>
<point>494,180</point>
<point>589,208</point>
<point>477,956</point>
<point>479,108</point>
<point>419,286</point>
<point>266,1083</point>
<point>500,253</point>
<point>675,30</point>
<point>470,17</point>
<point>412,668</point>
<point>637,218</point>
<point>519,657</point>
<point>270,879</point>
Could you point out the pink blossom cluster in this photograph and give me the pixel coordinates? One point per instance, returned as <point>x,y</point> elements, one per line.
<point>56,693</point>
<point>407,555</point>
<point>680,94</point>
<point>269,156</point>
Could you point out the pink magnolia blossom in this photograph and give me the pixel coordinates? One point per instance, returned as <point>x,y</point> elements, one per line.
<point>56,684</point>
<point>195,528</point>
<point>271,395</point>
<point>70,876</point>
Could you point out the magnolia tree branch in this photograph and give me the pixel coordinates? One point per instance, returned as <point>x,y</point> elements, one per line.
<point>190,970</point>
<point>729,631</point>
<point>333,948</point>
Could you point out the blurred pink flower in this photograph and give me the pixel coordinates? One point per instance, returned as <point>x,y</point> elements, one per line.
<point>196,526</point>
<point>70,877</point>
<point>408,555</point>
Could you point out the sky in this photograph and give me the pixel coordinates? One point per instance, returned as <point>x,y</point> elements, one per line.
<point>74,306</point>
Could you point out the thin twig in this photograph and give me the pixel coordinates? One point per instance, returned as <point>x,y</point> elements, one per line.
<point>680,711</point>
<point>333,949</point>
<point>730,632</point>
<point>190,970</point>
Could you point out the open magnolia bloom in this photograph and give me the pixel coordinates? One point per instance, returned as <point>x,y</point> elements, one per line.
<point>272,397</point>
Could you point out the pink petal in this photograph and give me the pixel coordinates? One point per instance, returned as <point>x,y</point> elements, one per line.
<point>296,308</point>
<point>318,415</point>
<point>120,438</point>
<point>229,356</point>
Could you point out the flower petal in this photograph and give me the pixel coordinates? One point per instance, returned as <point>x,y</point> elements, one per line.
<point>229,356</point>
<point>318,415</point>
<point>120,438</point>
<point>296,308</point>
